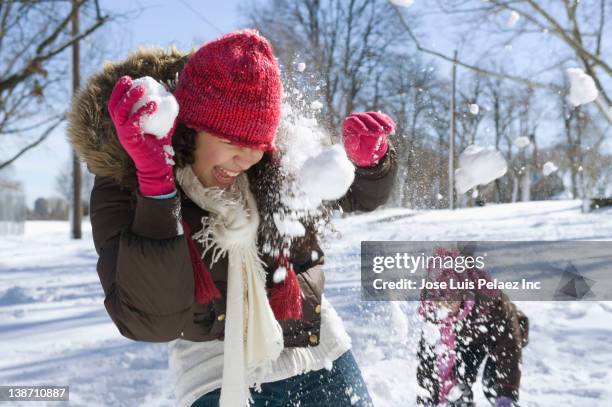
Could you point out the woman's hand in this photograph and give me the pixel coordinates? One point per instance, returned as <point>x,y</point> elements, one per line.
<point>151,155</point>
<point>365,137</point>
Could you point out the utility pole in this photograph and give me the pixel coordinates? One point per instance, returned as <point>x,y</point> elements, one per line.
<point>77,206</point>
<point>451,143</point>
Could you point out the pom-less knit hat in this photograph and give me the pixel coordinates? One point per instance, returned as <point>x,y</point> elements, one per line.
<point>231,87</point>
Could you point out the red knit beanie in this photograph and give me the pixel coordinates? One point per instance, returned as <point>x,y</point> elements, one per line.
<point>231,87</point>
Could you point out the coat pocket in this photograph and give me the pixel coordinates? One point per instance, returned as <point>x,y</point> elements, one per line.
<point>203,314</point>
<point>200,327</point>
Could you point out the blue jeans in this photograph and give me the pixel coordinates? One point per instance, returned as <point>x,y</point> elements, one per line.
<point>339,387</point>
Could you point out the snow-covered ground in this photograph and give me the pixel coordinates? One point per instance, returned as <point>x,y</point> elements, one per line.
<point>54,329</point>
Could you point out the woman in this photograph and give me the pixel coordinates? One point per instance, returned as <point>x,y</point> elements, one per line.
<point>188,253</point>
<point>463,330</point>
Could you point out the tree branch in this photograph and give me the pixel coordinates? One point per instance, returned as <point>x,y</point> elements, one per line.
<point>602,14</point>
<point>602,102</point>
<point>571,42</point>
<point>474,68</point>
<point>33,65</point>
<point>30,146</point>
<point>32,127</point>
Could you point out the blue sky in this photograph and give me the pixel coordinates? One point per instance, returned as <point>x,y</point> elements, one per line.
<point>189,23</point>
<point>184,23</point>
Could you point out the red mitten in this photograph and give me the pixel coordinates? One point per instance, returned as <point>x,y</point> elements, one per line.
<point>152,156</point>
<point>365,137</point>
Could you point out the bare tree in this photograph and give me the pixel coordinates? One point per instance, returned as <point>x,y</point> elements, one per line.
<point>578,28</point>
<point>470,93</point>
<point>408,91</point>
<point>345,43</point>
<point>358,55</point>
<point>63,183</point>
<point>34,36</point>
<point>583,138</point>
<point>504,102</point>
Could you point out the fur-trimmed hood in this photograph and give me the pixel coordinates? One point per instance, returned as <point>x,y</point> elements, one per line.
<point>90,128</point>
<point>92,133</point>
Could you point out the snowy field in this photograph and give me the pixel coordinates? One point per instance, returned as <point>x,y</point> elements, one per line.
<point>54,329</point>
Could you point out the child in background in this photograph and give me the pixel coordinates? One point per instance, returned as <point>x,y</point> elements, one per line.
<point>463,329</point>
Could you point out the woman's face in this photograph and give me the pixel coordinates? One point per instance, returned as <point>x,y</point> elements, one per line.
<point>218,162</point>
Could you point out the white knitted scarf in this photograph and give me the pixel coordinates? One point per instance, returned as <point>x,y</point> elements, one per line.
<point>253,337</point>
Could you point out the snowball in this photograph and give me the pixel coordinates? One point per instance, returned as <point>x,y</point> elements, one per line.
<point>548,168</point>
<point>441,349</point>
<point>431,333</point>
<point>582,87</point>
<point>461,370</point>
<point>169,154</point>
<point>455,393</point>
<point>328,175</point>
<point>279,275</point>
<point>478,166</point>
<point>441,313</point>
<point>160,122</point>
<point>475,194</point>
<point>287,226</point>
<point>423,392</point>
<point>440,197</point>
<point>402,3</point>
<point>299,138</point>
<point>169,150</point>
<point>474,109</point>
<point>522,142</point>
<point>301,66</point>
<point>513,19</point>
<point>316,105</point>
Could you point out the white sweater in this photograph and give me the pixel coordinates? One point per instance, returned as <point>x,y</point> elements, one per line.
<point>198,366</point>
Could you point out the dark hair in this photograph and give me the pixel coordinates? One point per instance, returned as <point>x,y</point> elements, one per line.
<point>183,142</point>
<point>265,179</point>
<point>265,176</point>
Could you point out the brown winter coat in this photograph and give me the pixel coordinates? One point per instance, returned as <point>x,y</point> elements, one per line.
<point>144,264</point>
<point>494,328</point>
